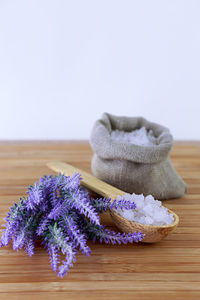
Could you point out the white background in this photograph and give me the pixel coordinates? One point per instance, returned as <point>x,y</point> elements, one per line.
<point>64,63</point>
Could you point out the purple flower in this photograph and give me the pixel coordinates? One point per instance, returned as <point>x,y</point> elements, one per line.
<point>67,263</point>
<point>29,246</point>
<point>83,205</point>
<point>79,239</point>
<point>104,204</point>
<point>99,232</point>
<point>43,225</point>
<point>54,256</point>
<point>34,197</point>
<point>71,183</point>
<point>59,212</point>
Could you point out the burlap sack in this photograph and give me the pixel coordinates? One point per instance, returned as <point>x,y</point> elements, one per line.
<point>133,168</point>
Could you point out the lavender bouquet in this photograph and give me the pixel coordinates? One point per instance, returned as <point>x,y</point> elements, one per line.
<point>60,212</point>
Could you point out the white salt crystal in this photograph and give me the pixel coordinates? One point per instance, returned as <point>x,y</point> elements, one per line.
<point>127,214</point>
<point>148,220</point>
<point>140,136</point>
<point>148,210</point>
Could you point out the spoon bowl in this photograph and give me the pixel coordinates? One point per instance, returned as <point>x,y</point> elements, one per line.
<point>152,233</point>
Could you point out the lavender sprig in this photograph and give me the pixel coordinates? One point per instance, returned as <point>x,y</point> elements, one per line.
<point>54,256</point>
<point>103,204</point>
<point>99,232</point>
<point>79,239</point>
<point>59,212</point>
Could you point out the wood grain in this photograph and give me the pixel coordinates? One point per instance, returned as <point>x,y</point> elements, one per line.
<point>167,270</point>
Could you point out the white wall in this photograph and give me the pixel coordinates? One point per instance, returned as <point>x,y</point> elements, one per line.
<point>63,63</point>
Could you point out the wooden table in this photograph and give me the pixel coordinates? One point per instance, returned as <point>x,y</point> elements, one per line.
<point>167,270</point>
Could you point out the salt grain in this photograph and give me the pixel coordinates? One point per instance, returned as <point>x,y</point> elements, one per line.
<point>138,137</point>
<point>148,210</point>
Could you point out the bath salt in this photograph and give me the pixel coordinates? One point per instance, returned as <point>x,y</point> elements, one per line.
<point>140,136</point>
<point>148,210</point>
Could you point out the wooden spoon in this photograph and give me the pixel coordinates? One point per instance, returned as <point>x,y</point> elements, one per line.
<point>152,233</point>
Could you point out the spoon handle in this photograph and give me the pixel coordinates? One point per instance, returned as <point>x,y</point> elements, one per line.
<point>90,182</point>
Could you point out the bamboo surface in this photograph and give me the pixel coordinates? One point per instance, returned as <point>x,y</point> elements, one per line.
<point>169,269</point>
